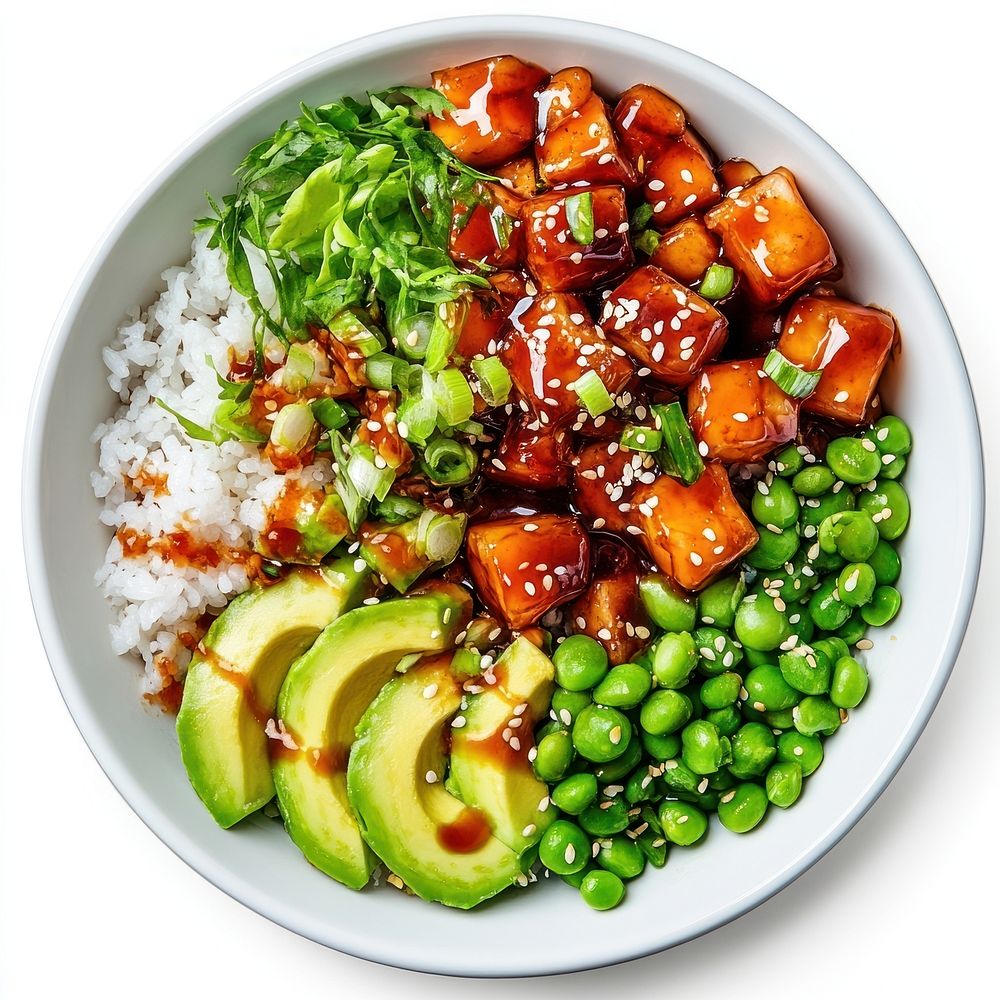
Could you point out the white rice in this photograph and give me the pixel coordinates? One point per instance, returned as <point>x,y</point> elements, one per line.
<point>219,493</point>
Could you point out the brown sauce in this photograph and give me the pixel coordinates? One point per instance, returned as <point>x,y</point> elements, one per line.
<point>325,761</point>
<point>466,834</point>
<point>224,669</point>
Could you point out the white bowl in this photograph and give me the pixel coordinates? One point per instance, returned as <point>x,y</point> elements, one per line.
<point>546,929</point>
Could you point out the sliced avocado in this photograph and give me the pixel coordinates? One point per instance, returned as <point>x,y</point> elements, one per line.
<point>233,681</point>
<point>490,769</point>
<point>325,694</point>
<point>402,552</point>
<point>441,848</point>
<point>306,526</point>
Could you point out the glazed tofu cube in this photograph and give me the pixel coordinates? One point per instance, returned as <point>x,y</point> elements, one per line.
<point>610,610</point>
<point>693,532</point>
<point>850,343</point>
<point>576,141</point>
<point>525,565</point>
<point>531,455</point>
<point>686,250</point>
<point>738,414</point>
<point>561,264</point>
<point>772,238</point>
<point>495,109</point>
<point>520,176</point>
<point>486,227</point>
<point>645,120</point>
<point>669,329</point>
<point>737,173</point>
<point>604,480</point>
<point>486,312</point>
<point>680,180</point>
<point>548,346</point>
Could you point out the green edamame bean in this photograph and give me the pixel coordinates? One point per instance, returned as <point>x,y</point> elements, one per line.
<point>600,734</point>
<point>833,647</point>
<point>813,481</point>
<point>641,786</point>
<point>798,748</point>
<point>883,607</point>
<point>569,704</point>
<point>816,714</point>
<point>727,720</point>
<point>573,794</point>
<point>774,548</point>
<point>602,890</point>
<point>850,683</point>
<point>753,749</point>
<point>768,690</point>
<point>605,818</point>
<point>775,503</point>
<point>805,670</point>
<point>783,784</point>
<point>816,509</point>
<point>779,720</point>
<point>720,690</point>
<point>718,602</point>
<point>622,856</point>
<point>553,756</point>
<point>660,747</point>
<point>760,625</point>
<point>856,584</point>
<point>717,652</point>
<point>852,534</point>
<point>616,769</point>
<point>654,846</point>
<point>892,467</point>
<point>855,460</point>
<point>794,580</point>
<point>683,824</point>
<point>889,507</point>
<point>684,784</point>
<point>624,686</point>
<point>665,712</point>
<point>891,436</point>
<point>674,659</point>
<point>704,749</point>
<point>853,630</point>
<point>580,662</point>
<point>667,606</point>
<point>564,848</point>
<point>802,624</point>
<point>788,461</point>
<point>886,563</point>
<point>743,807</point>
<point>575,879</point>
<point>827,609</point>
<point>548,727</point>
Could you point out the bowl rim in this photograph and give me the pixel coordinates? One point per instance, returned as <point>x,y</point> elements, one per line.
<point>140,800</point>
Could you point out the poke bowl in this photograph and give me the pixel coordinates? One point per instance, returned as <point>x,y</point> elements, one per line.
<point>512,483</point>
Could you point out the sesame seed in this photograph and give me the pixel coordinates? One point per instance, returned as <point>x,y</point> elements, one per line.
<point>515,744</point>
<point>529,588</point>
<point>531,526</point>
<point>615,735</point>
<point>430,690</point>
<point>740,417</point>
<point>842,396</point>
<point>604,633</point>
<point>458,722</point>
<point>868,445</point>
<point>690,199</point>
<point>696,559</point>
<point>543,803</point>
<point>359,565</point>
<point>529,830</point>
<point>655,185</point>
<point>687,176</point>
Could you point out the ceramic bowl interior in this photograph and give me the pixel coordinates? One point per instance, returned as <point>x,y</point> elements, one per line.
<point>547,928</point>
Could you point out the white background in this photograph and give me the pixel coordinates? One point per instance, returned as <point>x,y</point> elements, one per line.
<point>95,97</point>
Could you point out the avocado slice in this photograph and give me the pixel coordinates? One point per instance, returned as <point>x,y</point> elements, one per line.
<point>233,680</point>
<point>401,553</point>
<point>325,694</point>
<point>441,848</point>
<point>490,769</point>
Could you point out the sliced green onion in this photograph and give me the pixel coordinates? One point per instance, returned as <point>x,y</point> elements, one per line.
<point>466,663</point>
<point>580,217</point>
<point>416,419</point>
<point>228,422</point>
<point>395,509</point>
<point>790,378</point>
<point>413,335</point>
<point>370,478</point>
<point>442,340</point>
<point>355,506</point>
<point>503,226</point>
<point>440,536</point>
<point>447,462</point>
<point>292,427</point>
<point>647,241</point>
<point>193,430</point>
<point>642,216</point>
<point>717,283</point>
<point>352,328</point>
<point>331,414</point>
<point>454,397</point>
<point>494,380</point>
<point>299,368</point>
<point>471,427</point>
<point>593,393</point>
<point>679,456</point>
<point>641,438</point>
<point>386,371</point>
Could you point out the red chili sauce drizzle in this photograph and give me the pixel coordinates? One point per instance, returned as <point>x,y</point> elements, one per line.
<point>466,834</point>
